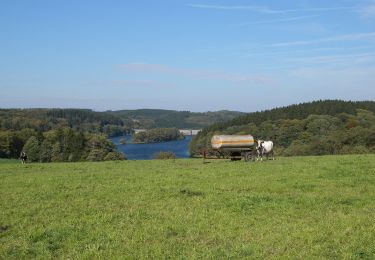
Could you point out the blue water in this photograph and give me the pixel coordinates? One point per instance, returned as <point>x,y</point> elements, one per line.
<point>146,151</point>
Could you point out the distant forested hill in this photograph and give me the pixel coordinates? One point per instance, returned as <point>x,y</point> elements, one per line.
<point>49,119</point>
<point>320,127</point>
<point>159,118</point>
<point>109,122</point>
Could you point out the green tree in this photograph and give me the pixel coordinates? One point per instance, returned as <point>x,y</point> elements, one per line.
<point>56,154</point>
<point>32,149</point>
<point>45,151</point>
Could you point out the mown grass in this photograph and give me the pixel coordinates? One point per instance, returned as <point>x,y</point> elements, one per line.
<point>303,207</point>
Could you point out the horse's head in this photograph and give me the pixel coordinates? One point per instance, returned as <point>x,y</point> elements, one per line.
<point>259,144</point>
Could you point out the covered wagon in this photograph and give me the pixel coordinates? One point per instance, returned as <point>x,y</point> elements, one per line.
<point>238,146</point>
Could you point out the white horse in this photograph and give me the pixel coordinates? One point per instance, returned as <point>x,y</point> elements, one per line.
<point>264,148</point>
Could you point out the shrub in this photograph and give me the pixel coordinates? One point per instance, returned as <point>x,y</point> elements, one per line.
<point>357,149</point>
<point>96,155</point>
<point>164,155</point>
<point>115,156</point>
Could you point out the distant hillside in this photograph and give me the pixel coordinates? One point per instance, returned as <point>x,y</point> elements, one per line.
<point>158,118</point>
<point>319,127</point>
<point>297,111</point>
<point>43,119</point>
<point>110,122</point>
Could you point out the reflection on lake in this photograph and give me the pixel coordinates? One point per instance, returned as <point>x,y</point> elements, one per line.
<point>146,151</point>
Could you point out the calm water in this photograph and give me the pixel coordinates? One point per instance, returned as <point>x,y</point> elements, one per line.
<point>147,151</point>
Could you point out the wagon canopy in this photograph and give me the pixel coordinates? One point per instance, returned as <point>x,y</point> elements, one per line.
<point>232,141</point>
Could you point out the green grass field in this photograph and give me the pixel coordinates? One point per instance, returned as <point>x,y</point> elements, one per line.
<point>303,207</point>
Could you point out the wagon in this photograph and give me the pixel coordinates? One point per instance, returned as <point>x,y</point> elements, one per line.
<point>238,146</point>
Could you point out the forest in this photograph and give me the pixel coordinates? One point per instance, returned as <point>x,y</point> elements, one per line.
<point>157,135</point>
<point>49,119</point>
<point>111,123</point>
<point>316,128</point>
<point>60,145</point>
<point>160,118</point>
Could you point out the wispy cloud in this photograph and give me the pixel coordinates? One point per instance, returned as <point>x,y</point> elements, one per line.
<point>369,10</point>
<point>347,59</point>
<point>199,74</point>
<point>345,37</point>
<point>265,9</point>
<point>292,51</point>
<point>296,18</point>
<point>141,83</point>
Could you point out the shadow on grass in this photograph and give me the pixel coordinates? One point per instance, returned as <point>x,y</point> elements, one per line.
<point>190,193</point>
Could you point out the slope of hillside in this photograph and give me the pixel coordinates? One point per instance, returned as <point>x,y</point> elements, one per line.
<point>320,127</point>
<point>109,122</point>
<point>291,208</point>
<point>43,119</point>
<point>155,118</point>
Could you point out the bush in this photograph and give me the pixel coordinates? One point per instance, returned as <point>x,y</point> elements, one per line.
<point>164,155</point>
<point>96,155</point>
<point>115,156</point>
<point>357,149</point>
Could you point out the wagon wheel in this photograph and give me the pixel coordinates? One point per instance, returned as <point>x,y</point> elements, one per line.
<point>248,157</point>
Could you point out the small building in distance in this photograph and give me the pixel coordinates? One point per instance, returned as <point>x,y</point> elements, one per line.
<point>136,131</point>
<point>182,131</point>
<point>190,131</point>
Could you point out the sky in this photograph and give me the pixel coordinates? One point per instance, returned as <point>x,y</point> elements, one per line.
<point>185,54</point>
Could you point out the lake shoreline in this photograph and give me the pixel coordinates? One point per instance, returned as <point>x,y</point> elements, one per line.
<point>146,151</point>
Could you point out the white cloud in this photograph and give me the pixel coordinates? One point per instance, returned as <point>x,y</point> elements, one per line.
<point>141,83</point>
<point>345,37</point>
<point>335,61</point>
<point>265,9</point>
<point>369,10</point>
<point>296,18</point>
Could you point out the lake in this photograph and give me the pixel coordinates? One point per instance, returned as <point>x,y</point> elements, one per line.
<point>146,151</point>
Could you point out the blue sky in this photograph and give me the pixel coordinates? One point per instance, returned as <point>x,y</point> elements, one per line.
<point>185,54</point>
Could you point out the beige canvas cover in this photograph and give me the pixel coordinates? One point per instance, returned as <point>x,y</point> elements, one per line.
<point>232,141</point>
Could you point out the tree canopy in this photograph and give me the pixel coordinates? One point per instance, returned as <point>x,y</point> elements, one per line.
<point>316,128</point>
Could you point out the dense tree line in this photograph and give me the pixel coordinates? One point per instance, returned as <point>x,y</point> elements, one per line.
<point>111,123</point>
<point>49,119</point>
<point>337,132</point>
<point>298,111</point>
<point>158,135</point>
<point>59,145</point>
<point>159,118</point>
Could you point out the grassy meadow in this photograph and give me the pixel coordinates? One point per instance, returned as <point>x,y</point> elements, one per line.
<point>301,207</point>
